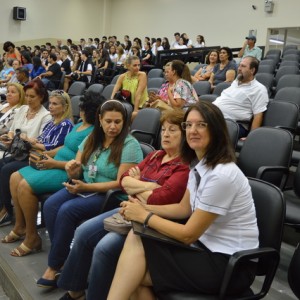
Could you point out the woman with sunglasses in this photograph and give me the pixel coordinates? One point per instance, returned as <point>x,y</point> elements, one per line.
<point>221,220</point>
<point>102,158</point>
<point>159,179</point>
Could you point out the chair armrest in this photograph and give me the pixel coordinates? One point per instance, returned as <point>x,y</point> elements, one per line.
<point>111,201</point>
<point>268,169</point>
<point>269,255</point>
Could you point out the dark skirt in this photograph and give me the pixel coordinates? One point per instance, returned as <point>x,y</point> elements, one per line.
<point>182,269</point>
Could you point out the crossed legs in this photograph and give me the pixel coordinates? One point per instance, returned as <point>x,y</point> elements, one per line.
<point>131,280</point>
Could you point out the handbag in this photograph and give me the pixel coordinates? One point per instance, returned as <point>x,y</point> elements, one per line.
<point>19,148</point>
<point>117,223</point>
<point>161,105</point>
<point>35,157</point>
<point>123,96</point>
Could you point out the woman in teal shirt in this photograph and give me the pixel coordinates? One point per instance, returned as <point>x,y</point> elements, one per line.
<point>101,160</point>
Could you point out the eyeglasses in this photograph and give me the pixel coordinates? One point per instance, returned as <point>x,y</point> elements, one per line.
<point>198,125</point>
<point>170,130</point>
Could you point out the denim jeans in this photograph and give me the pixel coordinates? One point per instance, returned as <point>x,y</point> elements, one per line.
<point>63,212</point>
<point>93,258</point>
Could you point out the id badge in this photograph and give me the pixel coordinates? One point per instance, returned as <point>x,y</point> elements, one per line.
<point>92,171</point>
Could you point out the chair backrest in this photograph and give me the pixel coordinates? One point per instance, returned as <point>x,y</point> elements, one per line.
<point>276,52</point>
<point>289,80</point>
<point>266,69</point>
<point>107,91</point>
<point>291,57</point>
<point>268,62</point>
<point>287,47</point>
<point>77,88</point>
<point>294,272</point>
<point>155,82</point>
<point>270,213</point>
<point>145,126</point>
<point>146,148</point>
<point>233,130</point>
<point>115,79</point>
<point>266,79</point>
<point>291,51</point>
<point>286,70</point>
<point>282,114</point>
<point>288,94</point>
<point>274,57</point>
<point>75,108</point>
<point>154,73</point>
<point>95,88</point>
<point>202,87</point>
<point>220,87</point>
<point>266,147</point>
<point>289,63</point>
<point>209,97</point>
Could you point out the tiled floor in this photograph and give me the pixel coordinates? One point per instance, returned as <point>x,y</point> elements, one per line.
<point>18,275</point>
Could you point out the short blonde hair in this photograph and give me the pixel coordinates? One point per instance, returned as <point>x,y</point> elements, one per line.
<point>21,92</point>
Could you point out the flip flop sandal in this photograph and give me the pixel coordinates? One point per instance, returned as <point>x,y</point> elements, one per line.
<point>23,250</point>
<point>12,237</point>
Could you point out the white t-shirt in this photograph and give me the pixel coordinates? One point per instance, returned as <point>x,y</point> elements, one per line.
<point>241,102</point>
<point>225,191</point>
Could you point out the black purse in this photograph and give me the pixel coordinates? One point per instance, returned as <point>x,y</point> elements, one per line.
<point>18,149</point>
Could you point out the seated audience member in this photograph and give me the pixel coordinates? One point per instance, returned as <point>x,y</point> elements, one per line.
<point>37,69</point>
<point>15,98</point>
<point>121,57</point>
<point>135,51</point>
<point>52,77</point>
<point>44,57</point>
<point>85,69</point>
<point>188,42</point>
<point>28,183</point>
<point>113,54</point>
<point>12,79</point>
<point>158,47</point>
<point>175,44</point>
<point>11,51</point>
<point>182,44</point>
<point>27,61</point>
<point>146,54</point>
<point>246,99</point>
<point>66,62</point>
<point>31,120</point>
<point>105,61</point>
<point>249,48</point>
<point>75,66</point>
<point>96,58</point>
<point>127,43</point>
<point>103,157</point>
<point>165,43</point>
<point>221,220</point>
<point>181,93</point>
<point>160,179</point>
<point>200,41</point>
<point>162,94</point>
<point>225,70</point>
<point>7,70</point>
<point>134,81</point>
<point>204,72</point>
<point>22,75</point>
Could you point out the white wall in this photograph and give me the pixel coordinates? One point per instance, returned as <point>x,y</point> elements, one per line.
<point>221,22</point>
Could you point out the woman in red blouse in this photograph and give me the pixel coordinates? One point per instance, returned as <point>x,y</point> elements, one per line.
<point>160,179</point>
